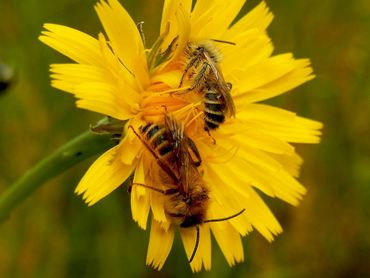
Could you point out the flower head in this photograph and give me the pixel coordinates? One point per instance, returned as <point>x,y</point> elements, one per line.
<point>116,76</point>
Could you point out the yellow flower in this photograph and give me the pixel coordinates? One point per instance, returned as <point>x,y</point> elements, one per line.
<point>118,77</point>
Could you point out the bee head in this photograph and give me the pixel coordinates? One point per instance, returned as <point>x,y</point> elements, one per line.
<point>192,220</point>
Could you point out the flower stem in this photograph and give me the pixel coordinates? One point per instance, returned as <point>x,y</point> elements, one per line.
<point>81,147</point>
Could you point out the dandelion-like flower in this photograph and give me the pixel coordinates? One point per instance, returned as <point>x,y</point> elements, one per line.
<point>251,149</point>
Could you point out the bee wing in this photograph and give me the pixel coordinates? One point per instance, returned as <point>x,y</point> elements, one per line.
<point>229,102</point>
<point>223,86</point>
<point>180,152</point>
<point>214,67</point>
<point>175,130</point>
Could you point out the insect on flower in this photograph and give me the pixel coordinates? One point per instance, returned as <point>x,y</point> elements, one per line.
<point>188,197</point>
<point>118,76</point>
<point>206,77</point>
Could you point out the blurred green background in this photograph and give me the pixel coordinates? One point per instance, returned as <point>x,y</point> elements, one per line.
<point>54,234</point>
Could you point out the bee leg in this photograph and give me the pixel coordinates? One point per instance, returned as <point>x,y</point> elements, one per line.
<point>129,188</point>
<point>196,245</point>
<point>169,191</point>
<point>194,149</point>
<point>199,76</point>
<point>187,68</point>
<point>213,139</point>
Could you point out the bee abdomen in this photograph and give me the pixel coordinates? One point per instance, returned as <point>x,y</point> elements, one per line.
<point>213,110</point>
<point>213,121</point>
<point>157,137</point>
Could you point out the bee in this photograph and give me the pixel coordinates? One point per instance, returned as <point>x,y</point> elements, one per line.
<point>170,146</point>
<point>205,75</point>
<point>188,196</point>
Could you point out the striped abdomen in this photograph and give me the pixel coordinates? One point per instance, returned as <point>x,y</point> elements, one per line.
<point>214,109</point>
<point>157,137</point>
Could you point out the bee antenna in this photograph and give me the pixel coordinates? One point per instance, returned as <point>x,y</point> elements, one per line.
<point>224,219</point>
<point>196,245</point>
<point>133,129</point>
<point>222,41</point>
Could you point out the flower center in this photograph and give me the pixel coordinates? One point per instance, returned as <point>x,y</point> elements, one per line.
<point>159,99</point>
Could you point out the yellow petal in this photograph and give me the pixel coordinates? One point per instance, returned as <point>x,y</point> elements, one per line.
<point>261,141</point>
<point>210,19</point>
<point>266,71</point>
<point>72,74</point>
<point>229,241</point>
<point>160,243</point>
<point>93,86</point>
<point>260,169</point>
<point>74,44</point>
<point>280,123</point>
<point>157,199</point>
<point>251,47</point>
<point>260,216</point>
<point>275,184</point>
<point>176,17</point>
<point>230,191</point>
<point>125,79</point>
<point>225,201</point>
<point>203,253</point>
<point>260,17</point>
<point>105,175</point>
<point>170,8</point>
<point>229,174</point>
<point>140,203</point>
<point>101,98</point>
<point>133,146</point>
<point>124,38</point>
<point>291,162</point>
<point>252,155</point>
<point>157,202</point>
<point>272,79</point>
<point>170,78</point>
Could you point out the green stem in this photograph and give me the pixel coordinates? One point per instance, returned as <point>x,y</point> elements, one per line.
<point>83,146</point>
